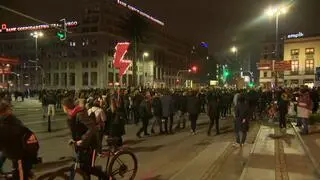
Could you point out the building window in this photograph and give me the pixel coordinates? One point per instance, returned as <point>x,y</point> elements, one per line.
<point>265,74</point>
<point>85,79</point>
<point>94,64</point>
<point>309,66</point>
<point>94,78</point>
<point>72,79</point>
<point>94,53</point>
<point>64,79</point>
<point>48,79</point>
<point>294,66</point>
<point>85,53</point>
<point>56,79</point>
<point>309,50</point>
<point>64,65</point>
<point>294,52</point>
<point>85,65</point>
<point>56,66</point>
<point>110,77</point>
<point>71,65</point>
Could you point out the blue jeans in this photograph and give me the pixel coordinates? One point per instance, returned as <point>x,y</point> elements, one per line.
<point>305,125</point>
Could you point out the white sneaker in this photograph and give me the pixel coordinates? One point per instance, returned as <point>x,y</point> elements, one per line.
<point>236,145</point>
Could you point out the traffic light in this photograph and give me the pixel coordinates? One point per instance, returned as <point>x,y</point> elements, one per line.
<point>62,35</point>
<point>194,69</point>
<point>226,73</point>
<point>251,84</point>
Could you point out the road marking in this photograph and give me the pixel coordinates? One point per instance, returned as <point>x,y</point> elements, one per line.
<point>41,122</point>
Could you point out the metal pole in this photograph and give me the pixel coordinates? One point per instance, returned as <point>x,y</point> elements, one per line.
<point>143,71</point>
<point>276,50</point>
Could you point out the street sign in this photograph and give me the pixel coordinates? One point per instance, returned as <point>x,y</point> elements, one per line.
<point>282,65</point>
<point>264,65</point>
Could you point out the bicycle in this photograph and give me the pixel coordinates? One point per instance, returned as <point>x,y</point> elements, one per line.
<point>113,154</point>
<point>39,167</point>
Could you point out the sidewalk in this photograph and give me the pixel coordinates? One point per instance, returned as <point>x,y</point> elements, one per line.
<point>278,156</point>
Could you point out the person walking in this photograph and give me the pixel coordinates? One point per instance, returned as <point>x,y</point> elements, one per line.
<point>283,106</point>
<point>193,107</point>
<point>157,113</point>
<point>167,111</point>
<point>242,113</point>
<point>145,111</point>
<point>304,109</point>
<point>213,113</point>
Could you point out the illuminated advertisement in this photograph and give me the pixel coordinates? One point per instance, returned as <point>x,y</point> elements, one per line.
<point>6,29</point>
<point>140,12</point>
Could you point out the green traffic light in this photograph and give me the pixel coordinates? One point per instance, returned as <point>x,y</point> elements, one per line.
<point>226,73</point>
<point>251,84</point>
<point>61,35</point>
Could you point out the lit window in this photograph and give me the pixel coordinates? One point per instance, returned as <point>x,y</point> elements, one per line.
<point>294,51</point>
<point>309,50</point>
<point>309,65</point>
<point>294,66</point>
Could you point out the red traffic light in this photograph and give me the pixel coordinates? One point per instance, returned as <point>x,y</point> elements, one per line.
<point>194,68</point>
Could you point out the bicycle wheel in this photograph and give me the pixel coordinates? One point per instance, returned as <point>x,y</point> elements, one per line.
<point>64,174</point>
<point>118,169</point>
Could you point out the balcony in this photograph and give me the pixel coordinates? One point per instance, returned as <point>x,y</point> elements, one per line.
<point>293,73</point>
<point>309,72</point>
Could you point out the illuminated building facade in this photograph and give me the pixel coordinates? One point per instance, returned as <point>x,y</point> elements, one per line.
<point>84,59</point>
<point>304,53</point>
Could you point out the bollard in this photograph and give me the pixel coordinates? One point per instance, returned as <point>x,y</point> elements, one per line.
<point>49,123</point>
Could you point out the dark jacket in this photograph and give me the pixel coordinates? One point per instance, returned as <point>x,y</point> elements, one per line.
<point>193,105</point>
<point>213,108</point>
<point>145,109</point>
<point>157,107</point>
<point>242,111</point>
<point>167,105</point>
<point>12,138</point>
<point>82,127</point>
<point>183,103</point>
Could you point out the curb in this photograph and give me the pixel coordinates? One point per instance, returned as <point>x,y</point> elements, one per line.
<point>245,169</point>
<point>314,162</point>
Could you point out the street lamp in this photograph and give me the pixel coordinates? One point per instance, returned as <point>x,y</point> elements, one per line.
<point>234,49</point>
<point>145,54</point>
<point>276,12</point>
<point>36,35</point>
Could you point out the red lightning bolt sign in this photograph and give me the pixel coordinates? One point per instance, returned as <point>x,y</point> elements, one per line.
<point>119,62</point>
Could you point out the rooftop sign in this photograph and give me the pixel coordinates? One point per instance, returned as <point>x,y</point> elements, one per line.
<point>6,29</point>
<point>291,36</point>
<point>140,12</point>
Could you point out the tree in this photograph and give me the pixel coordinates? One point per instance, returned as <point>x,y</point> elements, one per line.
<point>135,28</point>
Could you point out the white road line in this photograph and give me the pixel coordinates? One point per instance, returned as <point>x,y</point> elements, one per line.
<point>41,122</point>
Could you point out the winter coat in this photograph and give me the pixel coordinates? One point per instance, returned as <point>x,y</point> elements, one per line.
<point>167,105</point>
<point>193,105</point>
<point>304,106</point>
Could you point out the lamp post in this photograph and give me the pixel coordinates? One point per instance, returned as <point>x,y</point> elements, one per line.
<point>37,35</point>
<point>145,54</point>
<point>276,12</point>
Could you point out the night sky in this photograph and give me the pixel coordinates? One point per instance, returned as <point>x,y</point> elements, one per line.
<point>221,23</point>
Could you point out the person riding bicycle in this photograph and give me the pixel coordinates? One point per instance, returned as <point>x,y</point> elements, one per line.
<point>85,135</point>
<point>17,143</point>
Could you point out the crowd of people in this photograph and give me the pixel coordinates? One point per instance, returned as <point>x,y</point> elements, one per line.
<point>96,113</point>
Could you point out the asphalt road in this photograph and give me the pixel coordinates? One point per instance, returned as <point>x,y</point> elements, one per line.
<point>159,157</point>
